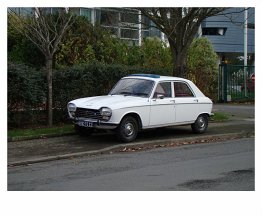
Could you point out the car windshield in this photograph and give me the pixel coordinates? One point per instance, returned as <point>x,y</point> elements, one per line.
<point>133,87</point>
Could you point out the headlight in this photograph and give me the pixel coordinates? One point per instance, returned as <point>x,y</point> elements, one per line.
<point>106,113</point>
<point>71,107</point>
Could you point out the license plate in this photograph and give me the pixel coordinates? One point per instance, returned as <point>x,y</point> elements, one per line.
<point>85,124</point>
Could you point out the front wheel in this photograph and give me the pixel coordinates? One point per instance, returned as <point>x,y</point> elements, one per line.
<point>128,129</point>
<point>200,125</point>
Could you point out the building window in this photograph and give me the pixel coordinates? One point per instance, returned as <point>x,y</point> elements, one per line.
<point>55,10</point>
<point>129,33</point>
<point>109,18</point>
<point>26,11</point>
<point>145,34</point>
<point>14,9</point>
<point>75,10</point>
<point>85,12</point>
<point>129,17</point>
<point>154,32</point>
<point>146,22</point>
<point>214,31</point>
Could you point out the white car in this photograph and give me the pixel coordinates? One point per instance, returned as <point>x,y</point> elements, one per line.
<point>142,101</point>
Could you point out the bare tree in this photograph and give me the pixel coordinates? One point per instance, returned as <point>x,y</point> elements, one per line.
<point>180,25</point>
<point>45,30</point>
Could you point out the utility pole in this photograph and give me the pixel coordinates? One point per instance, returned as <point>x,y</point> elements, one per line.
<point>245,50</point>
<point>139,29</point>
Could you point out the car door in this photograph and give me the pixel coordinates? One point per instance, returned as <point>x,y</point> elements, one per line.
<point>162,111</point>
<point>186,103</point>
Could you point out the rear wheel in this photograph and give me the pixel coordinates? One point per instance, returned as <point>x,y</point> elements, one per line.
<point>128,129</point>
<point>200,125</point>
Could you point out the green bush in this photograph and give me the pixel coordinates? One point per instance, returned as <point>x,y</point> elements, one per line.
<point>26,92</point>
<point>155,54</point>
<point>26,87</point>
<point>75,47</point>
<point>84,43</point>
<point>202,64</point>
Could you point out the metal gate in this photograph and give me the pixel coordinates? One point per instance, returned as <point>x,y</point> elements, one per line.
<point>236,83</point>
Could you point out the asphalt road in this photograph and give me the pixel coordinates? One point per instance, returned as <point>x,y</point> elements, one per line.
<point>218,166</point>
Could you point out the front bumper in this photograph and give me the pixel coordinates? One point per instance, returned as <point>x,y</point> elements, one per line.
<point>91,123</point>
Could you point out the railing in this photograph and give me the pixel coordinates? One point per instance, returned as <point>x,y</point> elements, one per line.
<point>236,83</point>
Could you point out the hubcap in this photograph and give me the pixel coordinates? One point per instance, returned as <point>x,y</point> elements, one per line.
<point>129,129</point>
<point>201,122</point>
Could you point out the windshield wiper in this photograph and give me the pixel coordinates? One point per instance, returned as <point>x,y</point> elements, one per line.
<point>126,93</point>
<point>141,94</point>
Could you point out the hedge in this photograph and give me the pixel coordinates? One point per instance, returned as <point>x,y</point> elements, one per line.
<point>27,89</point>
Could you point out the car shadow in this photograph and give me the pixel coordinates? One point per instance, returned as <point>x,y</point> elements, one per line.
<point>109,138</point>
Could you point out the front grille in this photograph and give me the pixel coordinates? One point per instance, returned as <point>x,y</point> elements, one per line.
<point>88,113</point>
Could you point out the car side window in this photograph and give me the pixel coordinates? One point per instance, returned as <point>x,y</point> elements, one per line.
<point>163,89</point>
<point>182,90</point>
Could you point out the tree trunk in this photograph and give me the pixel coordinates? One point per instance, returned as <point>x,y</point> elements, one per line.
<point>49,67</point>
<point>180,66</point>
<point>179,61</point>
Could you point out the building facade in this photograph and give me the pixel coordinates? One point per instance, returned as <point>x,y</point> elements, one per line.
<point>124,23</point>
<point>225,31</point>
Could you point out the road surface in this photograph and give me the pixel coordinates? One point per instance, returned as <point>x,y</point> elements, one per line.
<point>217,166</point>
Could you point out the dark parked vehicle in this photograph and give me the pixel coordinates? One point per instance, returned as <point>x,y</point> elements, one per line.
<point>250,84</point>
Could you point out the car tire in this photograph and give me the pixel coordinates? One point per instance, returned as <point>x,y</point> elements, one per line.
<point>82,131</point>
<point>200,125</point>
<point>128,129</point>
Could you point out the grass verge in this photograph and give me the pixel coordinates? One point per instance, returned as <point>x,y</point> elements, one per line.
<point>220,117</point>
<point>43,131</point>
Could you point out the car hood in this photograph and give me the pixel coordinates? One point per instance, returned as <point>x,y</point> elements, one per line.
<point>111,101</point>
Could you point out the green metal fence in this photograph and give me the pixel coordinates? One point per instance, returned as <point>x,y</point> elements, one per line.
<point>236,83</point>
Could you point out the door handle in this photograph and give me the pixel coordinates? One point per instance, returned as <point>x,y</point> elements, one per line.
<point>195,100</point>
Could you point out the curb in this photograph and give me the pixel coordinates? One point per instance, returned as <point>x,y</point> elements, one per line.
<point>140,145</point>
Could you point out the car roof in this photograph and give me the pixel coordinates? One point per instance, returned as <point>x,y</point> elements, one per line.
<point>155,77</point>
